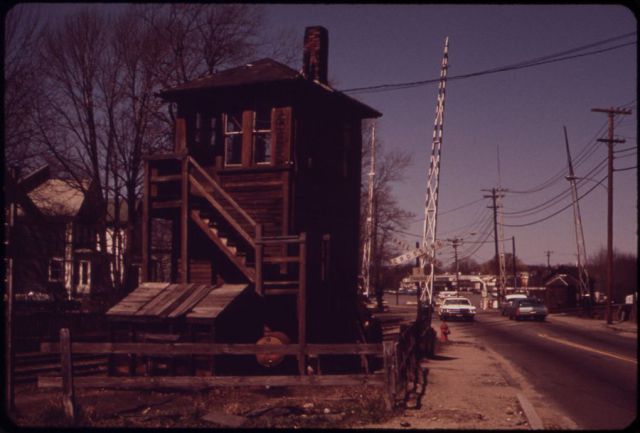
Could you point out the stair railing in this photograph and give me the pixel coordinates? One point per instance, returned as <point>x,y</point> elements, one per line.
<point>211,182</point>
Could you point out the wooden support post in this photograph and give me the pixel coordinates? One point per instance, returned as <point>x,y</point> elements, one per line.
<point>111,358</point>
<point>388,357</point>
<point>132,356</point>
<point>172,360</point>
<point>302,304</point>
<point>192,358</point>
<point>258,257</point>
<point>146,223</point>
<point>213,357</point>
<point>148,366</point>
<point>184,222</point>
<point>68,396</point>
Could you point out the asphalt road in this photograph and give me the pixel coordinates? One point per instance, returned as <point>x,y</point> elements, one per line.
<point>590,374</point>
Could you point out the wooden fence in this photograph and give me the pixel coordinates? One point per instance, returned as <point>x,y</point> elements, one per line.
<point>400,376</point>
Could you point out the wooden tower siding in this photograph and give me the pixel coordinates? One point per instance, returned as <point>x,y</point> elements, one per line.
<point>327,200</point>
<point>245,222</point>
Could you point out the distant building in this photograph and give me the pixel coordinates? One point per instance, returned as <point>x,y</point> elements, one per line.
<point>560,291</point>
<point>54,241</point>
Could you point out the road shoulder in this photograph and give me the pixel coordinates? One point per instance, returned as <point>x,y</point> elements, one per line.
<point>469,386</point>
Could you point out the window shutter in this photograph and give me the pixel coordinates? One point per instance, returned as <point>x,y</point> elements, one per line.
<point>281,130</point>
<point>247,137</point>
<point>181,134</point>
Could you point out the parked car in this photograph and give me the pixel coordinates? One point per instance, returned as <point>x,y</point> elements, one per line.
<point>457,307</point>
<point>529,308</point>
<point>411,290</point>
<point>508,302</point>
<point>441,296</point>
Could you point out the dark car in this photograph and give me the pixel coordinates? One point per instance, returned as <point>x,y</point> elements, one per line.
<point>529,308</point>
<point>508,302</point>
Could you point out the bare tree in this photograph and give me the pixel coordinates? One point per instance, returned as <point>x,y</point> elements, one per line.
<point>98,114</point>
<point>133,127</point>
<point>388,218</point>
<point>625,273</point>
<point>21,85</point>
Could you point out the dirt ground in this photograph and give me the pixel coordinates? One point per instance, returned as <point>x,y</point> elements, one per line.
<point>468,387</point>
<point>327,407</point>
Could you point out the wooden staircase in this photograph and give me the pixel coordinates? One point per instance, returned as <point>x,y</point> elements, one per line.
<point>262,260</point>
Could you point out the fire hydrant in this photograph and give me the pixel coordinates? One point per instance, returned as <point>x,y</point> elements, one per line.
<point>444,332</point>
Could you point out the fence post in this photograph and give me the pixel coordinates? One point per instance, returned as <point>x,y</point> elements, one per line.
<point>388,356</point>
<point>68,396</point>
<point>258,258</point>
<point>302,304</point>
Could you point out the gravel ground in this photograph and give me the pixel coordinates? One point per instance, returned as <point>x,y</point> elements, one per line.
<point>468,387</point>
<point>472,387</point>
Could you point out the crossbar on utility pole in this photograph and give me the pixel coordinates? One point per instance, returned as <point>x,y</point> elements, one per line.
<point>611,113</point>
<point>548,254</point>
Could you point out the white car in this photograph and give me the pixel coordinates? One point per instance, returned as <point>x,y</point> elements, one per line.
<point>441,296</point>
<point>457,307</point>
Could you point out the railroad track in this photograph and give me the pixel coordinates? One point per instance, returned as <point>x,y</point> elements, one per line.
<point>30,365</point>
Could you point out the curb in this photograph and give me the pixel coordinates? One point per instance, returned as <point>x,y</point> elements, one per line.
<point>622,329</point>
<point>535,423</point>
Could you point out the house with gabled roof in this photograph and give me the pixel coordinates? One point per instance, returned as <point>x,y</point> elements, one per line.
<point>54,245</point>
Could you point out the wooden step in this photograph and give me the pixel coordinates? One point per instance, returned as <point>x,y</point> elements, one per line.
<point>276,292</point>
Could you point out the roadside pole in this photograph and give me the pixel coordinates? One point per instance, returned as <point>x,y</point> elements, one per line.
<point>8,299</point>
<point>611,112</point>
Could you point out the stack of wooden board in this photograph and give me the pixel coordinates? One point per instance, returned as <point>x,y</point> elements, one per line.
<point>157,301</point>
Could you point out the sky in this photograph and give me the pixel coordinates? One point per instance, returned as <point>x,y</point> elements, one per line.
<point>500,130</point>
<point>514,117</point>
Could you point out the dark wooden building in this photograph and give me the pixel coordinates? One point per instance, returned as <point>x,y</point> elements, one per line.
<point>54,242</point>
<point>262,191</point>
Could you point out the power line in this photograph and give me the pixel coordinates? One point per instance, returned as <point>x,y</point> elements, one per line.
<point>581,157</point>
<point>559,211</point>
<point>478,220</point>
<point>626,156</point>
<point>626,168</point>
<point>461,207</point>
<point>552,58</point>
<point>557,198</point>
<point>626,149</point>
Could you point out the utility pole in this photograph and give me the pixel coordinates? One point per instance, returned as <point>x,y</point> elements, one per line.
<point>496,195</point>
<point>513,260</point>
<point>548,254</point>
<point>9,324</point>
<point>368,243</point>
<point>455,243</point>
<point>611,112</point>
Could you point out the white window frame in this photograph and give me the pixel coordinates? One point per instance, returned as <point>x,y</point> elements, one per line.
<point>255,132</point>
<point>229,134</point>
<point>83,287</point>
<point>53,260</point>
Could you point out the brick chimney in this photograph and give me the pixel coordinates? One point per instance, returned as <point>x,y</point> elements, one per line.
<point>316,54</point>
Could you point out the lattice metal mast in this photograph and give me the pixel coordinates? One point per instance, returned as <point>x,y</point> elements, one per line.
<point>433,177</point>
<point>366,254</point>
<point>583,276</point>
